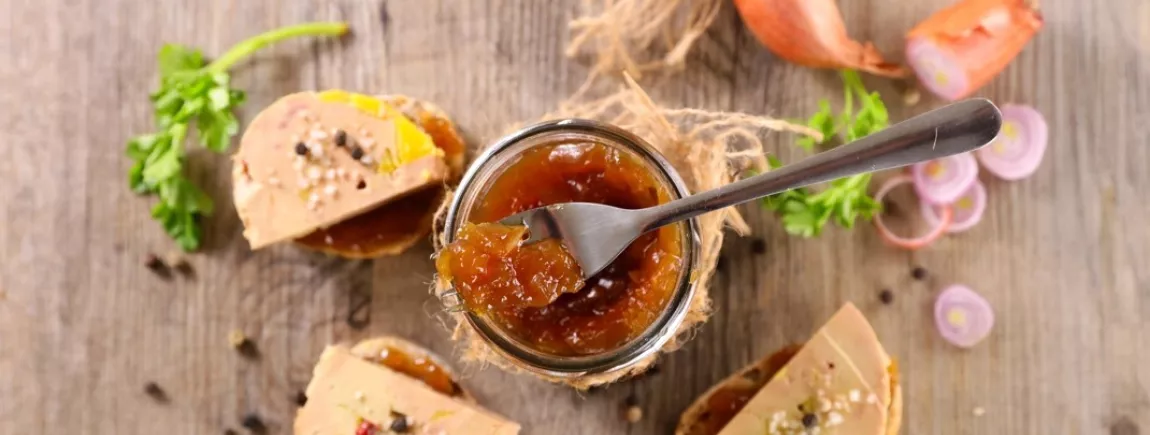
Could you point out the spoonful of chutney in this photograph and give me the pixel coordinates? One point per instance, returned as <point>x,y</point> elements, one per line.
<point>544,252</point>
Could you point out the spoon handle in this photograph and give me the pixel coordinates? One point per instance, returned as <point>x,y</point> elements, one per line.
<point>954,129</point>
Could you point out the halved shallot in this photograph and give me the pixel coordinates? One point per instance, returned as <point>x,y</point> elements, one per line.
<point>812,33</point>
<point>960,48</point>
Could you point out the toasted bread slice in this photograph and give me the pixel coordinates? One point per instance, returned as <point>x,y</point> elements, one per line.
<point>364,390</point>
<point>394,227</point>
<point>840,380</point>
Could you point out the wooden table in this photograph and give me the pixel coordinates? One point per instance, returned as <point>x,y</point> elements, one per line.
<point>84,325</point>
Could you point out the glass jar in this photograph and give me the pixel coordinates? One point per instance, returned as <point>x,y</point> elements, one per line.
<point>497,158</point>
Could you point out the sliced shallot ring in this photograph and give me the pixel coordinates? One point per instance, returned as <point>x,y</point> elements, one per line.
<point>968,209</point>
<point>964,318</point>
<point>936,231</point>
<point>944,180</point>
<point>1019,147</point>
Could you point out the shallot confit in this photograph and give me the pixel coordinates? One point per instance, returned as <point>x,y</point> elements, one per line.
<point>535,291</point>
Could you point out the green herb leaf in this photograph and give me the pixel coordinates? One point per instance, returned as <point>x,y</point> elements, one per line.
<point>804,212</point>
<point>136,178</point>
<point>216,129</point>
<point>822,121</point>
<point>220,98</point>
<point>192,91</point>
<point>167,163</point>
<point>181,225</point>
<point>174,58</point>
<point>140,146</point>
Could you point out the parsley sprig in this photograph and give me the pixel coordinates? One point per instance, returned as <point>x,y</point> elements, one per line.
<point>804,211</point>
<point>193,92</point>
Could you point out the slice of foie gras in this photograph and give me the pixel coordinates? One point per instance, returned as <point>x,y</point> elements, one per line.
<point>281,195</point>
<point>346,391</point>
<point>841,376</point>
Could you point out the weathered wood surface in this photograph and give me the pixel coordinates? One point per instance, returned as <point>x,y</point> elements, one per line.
<point>1062,256</point>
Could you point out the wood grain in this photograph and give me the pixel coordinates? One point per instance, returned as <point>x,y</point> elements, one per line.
<point>83,325</point>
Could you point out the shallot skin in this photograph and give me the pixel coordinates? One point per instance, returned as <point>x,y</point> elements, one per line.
<point>962,47</point>
<point>812,33</point>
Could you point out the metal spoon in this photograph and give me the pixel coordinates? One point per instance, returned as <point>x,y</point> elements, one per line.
<point>595,233</point>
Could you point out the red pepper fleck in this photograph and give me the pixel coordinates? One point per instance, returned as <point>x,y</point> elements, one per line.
<point>367,428</point>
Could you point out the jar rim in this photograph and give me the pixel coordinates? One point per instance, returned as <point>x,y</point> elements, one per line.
<point>660,331</point>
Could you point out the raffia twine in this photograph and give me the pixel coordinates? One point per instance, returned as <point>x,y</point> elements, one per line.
<point>708,149</point>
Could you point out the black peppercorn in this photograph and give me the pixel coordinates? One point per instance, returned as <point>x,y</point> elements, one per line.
<point>151,261</point>
<point>300,398</point>
<point>758,246</point>
<point>241,343</point>
<point>918,273</point>
<point>810,420</point>
<point>886,296</point>
<point>301,149</point>
<point>340,138</point>
<point>360,185</point>
<point>356,152</point>
<point>253,423</point>
<point>178,262</point>
<point>630,401</point>
<point>399,423</point>
<point>154,390</point>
